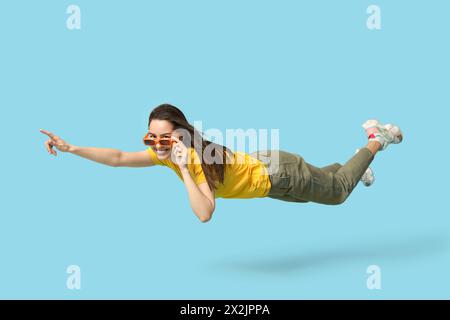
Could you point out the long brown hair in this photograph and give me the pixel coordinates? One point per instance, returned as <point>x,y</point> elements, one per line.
<point>215,171</point>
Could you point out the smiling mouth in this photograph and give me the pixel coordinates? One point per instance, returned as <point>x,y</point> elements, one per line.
<point>162,151</point>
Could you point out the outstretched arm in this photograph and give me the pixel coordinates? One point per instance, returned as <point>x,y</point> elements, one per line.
<point>107,156</point>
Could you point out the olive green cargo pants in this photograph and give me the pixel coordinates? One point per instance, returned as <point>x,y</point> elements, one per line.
<point>295,180</point>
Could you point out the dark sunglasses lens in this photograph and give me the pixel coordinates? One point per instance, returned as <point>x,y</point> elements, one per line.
<point>164,142</point>
<point>149,142</point>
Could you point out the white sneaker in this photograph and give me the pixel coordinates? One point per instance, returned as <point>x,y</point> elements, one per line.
<point>384,134</point>
<point>368,178</point>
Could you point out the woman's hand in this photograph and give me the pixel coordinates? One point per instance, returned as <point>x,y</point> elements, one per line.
<point>55,141</point>
<point>180,153</point>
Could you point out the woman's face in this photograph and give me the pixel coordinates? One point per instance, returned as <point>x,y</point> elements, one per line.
<point>161,129</point>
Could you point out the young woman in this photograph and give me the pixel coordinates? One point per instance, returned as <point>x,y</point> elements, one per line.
<point>211,171</point>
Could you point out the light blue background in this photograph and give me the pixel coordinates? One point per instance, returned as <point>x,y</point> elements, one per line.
<point>309,68</point>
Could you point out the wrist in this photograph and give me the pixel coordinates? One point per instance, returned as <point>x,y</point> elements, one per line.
<point>184,170</point>
<point>72,149</point>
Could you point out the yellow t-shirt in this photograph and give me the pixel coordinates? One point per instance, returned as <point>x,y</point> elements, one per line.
<point>245,176</point>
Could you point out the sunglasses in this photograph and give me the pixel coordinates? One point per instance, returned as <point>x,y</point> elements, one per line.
<point>150,141</point>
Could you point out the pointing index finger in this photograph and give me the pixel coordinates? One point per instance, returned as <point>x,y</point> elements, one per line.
<point>51,135</point>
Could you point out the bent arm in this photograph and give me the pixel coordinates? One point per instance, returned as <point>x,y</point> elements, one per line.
<point>113,157</point>
<point>201,197</point>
